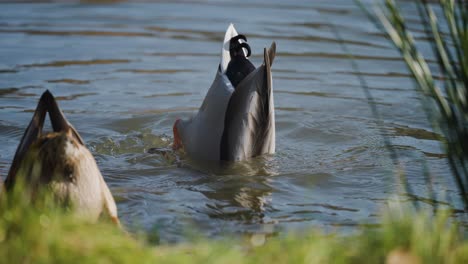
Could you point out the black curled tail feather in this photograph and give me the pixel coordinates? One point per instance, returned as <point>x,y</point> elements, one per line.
<point>239,66</point>
<point>236,47</point>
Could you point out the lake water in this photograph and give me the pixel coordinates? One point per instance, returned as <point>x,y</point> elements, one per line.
<point>124,72</point>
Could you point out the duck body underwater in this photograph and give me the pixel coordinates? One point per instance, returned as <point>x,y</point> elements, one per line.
<point>236,120</point>
<point>59,162</point>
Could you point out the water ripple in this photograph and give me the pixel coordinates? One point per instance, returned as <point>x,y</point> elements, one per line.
<point>75,62</point>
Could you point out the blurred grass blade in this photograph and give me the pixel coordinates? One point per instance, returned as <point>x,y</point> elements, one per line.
<point>445,99</point>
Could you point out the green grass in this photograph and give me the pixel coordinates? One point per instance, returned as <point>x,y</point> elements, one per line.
<point>39,232</point>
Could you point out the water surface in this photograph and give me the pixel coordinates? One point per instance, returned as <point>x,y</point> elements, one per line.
<point>124,72</point>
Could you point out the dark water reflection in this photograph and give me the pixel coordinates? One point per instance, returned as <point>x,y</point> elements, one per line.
<point>124,72</point>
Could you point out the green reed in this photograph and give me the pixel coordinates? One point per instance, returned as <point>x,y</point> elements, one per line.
<point>445,97</point>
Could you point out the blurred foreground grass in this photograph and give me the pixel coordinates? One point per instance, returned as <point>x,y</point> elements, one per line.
<point>42,233</point>
<point>39,232</point>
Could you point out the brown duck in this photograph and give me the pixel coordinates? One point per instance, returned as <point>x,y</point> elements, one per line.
<point>60,161</point>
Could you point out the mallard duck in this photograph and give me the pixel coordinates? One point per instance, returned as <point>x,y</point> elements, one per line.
<point>60,161</point>
<point>237,118</point>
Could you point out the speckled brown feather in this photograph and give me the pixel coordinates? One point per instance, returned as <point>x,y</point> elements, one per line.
<point>60,161</point>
